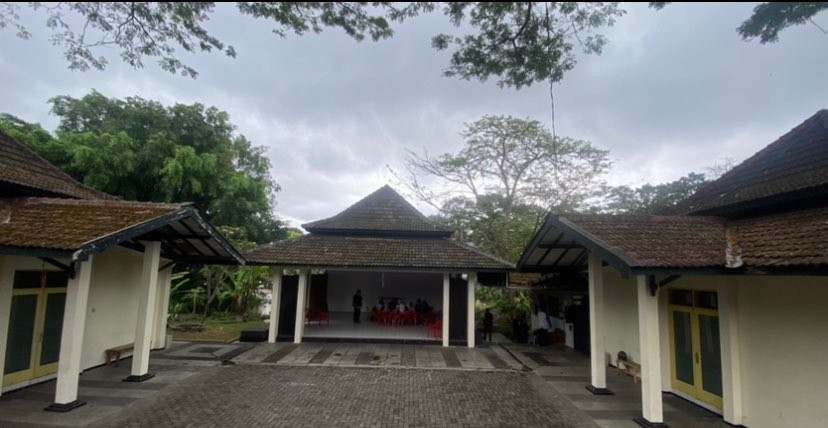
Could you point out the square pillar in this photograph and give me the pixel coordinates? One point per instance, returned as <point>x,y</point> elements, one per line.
<point>446,282</point>
<point>471,334</point>
<point>275,301</point>
<point>146,313</point>
<point>162,309</point>
<point>6,284</point>
<point>597,336</point>
<point>650,350</point>
<point>729,337</point>
<point>299,329</point>
<point>71,339</point>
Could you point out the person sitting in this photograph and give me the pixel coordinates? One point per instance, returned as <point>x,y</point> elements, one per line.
<point>401,306</point>
<point>418,307</point>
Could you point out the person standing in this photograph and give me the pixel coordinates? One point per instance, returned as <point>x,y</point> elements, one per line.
<point>488,325</point>
<point>357,302</point>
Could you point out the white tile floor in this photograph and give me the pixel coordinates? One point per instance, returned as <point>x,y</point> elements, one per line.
<point>342,326</point>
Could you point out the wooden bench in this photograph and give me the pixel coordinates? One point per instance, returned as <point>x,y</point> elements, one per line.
<point>114,354</point>
<point>631,368</point>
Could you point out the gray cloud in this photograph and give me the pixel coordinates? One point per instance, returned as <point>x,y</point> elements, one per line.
<point>674,91</point>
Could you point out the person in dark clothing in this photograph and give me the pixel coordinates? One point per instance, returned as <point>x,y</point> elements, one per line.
<point>357,305</point>
<point>488,325</point>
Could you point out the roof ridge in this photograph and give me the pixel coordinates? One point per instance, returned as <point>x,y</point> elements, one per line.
<point>100,202</point>
<point>383,210</point>
<point>45,168</point>
<point>481,252</point>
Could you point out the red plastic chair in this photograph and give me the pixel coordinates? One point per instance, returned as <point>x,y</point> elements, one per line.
<point>324,316</point>
<point>436,329</point>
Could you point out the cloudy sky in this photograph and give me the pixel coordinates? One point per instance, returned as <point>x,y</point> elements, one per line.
<point>674,92</point>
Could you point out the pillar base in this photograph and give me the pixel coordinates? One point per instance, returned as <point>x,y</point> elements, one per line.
<point>647,424</point>
<point>598,391</point>
<point>63,408</point>
<point>139,378</point>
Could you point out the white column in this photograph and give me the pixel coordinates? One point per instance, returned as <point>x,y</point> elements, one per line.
<point>275,301</point>
<point>729,337</point>
<point>445,309</point>
<point>299,329</point>
<point>597,340</point>
<point>648,333</point>
<point>71,338</point>
<point>146,312</point>
<point>162,309</point>
<point>470,332</point>
<point>6,283</point>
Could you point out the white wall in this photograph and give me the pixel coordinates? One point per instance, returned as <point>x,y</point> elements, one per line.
<point>784,349</point>
<point>782,341</point>
<point>620,315</point>
<point>113,304</point>
<point>410,286</point>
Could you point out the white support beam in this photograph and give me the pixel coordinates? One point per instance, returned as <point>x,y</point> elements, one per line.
<point>6,284</point>
<point>162,309</point>
<point>146,312</point>
<point>299,329</point>
<point>648,333</point>
<point>71,339</point>
<point>729,338</point>
<point>275,301</point>
<point>471,334</point>
<point>446,282</point>
<point>597,328</point>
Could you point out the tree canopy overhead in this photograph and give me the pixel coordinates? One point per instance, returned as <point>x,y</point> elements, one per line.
<point>498,187</point>
<point>142,150</point>
<point>518,43</point>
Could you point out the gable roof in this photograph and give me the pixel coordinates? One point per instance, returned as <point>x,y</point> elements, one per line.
<point>792,167</point>
<point>77,228</point>
<point>26,173</point>
<point>371,252</point>
<point>649,244</point>
<point>383,212</point>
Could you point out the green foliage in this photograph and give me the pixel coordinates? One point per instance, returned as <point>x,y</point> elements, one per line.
<point>523,43</point>
<point>141,150</point>
<point>650,199</point>
<point>770,18</point>
<point>507,305</point>
<point>496,189</point>
<point>519,42</point>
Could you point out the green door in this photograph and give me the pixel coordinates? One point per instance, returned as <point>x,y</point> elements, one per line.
<point>35,326</point>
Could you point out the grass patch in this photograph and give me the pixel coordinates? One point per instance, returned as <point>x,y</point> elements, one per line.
<point>223,331</point>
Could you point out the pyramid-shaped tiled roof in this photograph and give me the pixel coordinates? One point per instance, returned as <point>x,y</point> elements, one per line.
<point>29,174</point>
<point>384,212</point>
<point>792,167</point>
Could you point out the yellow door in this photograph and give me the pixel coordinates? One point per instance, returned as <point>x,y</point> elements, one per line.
<point>695,349</point>
<point>35,325</point>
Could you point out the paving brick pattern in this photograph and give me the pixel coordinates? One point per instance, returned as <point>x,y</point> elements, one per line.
<point>313,396</point>
<point>381,355</point>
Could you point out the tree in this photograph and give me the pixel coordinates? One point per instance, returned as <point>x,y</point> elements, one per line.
<point>141,150</point>
<point>770,18</point>
<point>650,199</point>
<point>519,42</point>
<point>508,174</point>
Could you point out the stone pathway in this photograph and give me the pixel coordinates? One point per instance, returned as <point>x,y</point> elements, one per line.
<point>380,355</point>
<point>268,395</point>
<point>105,392</point>
<point>568,372</point>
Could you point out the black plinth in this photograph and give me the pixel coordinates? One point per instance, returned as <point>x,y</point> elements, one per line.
<point>647,424</point>
<point>63,408</point>
<point>255,334</point>
<point>598,391</point>
<point>139,378</point>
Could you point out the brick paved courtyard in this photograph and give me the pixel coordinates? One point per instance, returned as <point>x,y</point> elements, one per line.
<point>273,395</point>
